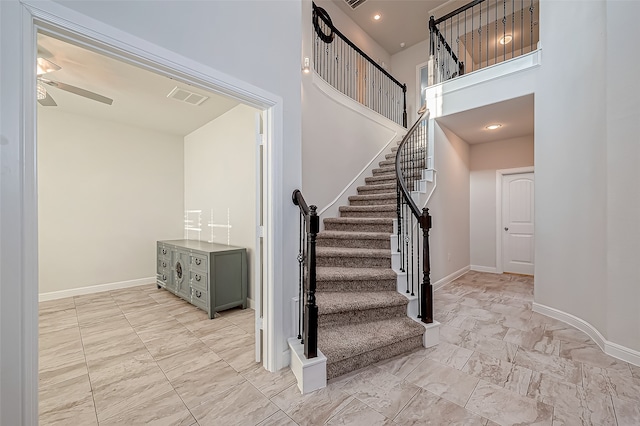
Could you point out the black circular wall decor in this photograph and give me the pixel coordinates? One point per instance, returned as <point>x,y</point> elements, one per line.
<point>317,13</point>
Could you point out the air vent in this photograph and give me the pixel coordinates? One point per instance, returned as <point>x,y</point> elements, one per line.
<point>353,4</point>
<point>186,96</point>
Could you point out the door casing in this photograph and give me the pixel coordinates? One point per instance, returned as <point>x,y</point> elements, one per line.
<point>499,174</point>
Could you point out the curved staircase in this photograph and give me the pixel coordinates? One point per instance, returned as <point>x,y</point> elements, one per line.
<point>362,317</point>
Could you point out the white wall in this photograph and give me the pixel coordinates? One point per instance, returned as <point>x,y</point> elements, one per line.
<point>106,193</point>
<point>353,32</point>
<point>220,178</point>
<point>485,159</point>
<point>449,206</point>
<point>403,67</point>
<point>623,175</point>
<point>334,154</point>
<point>571,161</point>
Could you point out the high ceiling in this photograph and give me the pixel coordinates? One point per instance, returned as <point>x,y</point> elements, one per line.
<point>406,21</point>
<point>139,96</point>
<point>401,21</point>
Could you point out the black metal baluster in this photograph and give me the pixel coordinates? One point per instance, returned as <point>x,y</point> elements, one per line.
<point>480,38</point>
<point>504,29</point>
<point>522,27</point>
<point>513,24</point>
<point>531,9</point>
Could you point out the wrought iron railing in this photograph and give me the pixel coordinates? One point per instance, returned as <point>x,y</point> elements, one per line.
<point>413,223</point>
<point>351,71</point>
<point>308,310</point>
<point>480,34</point>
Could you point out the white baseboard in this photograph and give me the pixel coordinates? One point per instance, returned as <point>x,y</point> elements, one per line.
<point>451,277</point>
<point>251,304</point>
<point>489,269</point>
<point>43,297</point>
<point>615,350</point>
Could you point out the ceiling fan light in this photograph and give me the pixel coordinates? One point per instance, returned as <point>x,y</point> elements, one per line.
<point>44,66</point>
<point>41,92</point>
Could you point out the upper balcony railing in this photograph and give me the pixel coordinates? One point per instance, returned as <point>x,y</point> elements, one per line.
<point>351,71</point>
<point>480,34</point>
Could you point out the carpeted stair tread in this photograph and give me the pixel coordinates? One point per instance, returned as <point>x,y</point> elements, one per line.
<point>382,210</point>
<point>369,220</point>
<point>371,208</point>
<point>330,302</point>
<point>373,199</point>
<point>341,342</point>
<point>347,235</point>
<point>352,252</point>
<point>384,187</point>
<point>328,273</point>
<point>385,178</point>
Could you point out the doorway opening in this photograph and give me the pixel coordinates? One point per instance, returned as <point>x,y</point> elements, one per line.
<point>93,168</point>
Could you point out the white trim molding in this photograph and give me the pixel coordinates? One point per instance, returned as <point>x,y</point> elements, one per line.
<point>610,348</point>
<point>488,269</point>
<point>53,295</point>
<point>450,278</point>
<point>500,173</point>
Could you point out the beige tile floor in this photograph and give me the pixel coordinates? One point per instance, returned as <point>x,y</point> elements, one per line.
<point>142,356</point>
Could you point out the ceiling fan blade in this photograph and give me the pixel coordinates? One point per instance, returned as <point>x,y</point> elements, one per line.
<point>78,91</point>
<point>48,101</point>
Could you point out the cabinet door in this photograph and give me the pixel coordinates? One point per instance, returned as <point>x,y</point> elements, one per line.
<point>228,273</point>
<point>181,273</point>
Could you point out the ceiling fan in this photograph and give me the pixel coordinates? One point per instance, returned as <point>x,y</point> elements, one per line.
<point>45,66</point>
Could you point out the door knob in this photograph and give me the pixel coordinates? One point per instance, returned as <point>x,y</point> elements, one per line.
<point>506,229</point>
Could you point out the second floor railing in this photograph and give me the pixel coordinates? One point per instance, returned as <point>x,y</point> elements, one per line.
<point>351,71</point>
<point>480,34</point>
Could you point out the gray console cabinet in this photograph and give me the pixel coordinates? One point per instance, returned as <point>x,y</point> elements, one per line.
<point>212,277</point>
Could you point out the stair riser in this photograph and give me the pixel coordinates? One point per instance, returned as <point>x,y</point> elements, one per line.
<point>374,202</point>
<point>356,286</point>
<point>338,368</point>
<point>360,316</point>
<point>383,179</point>
<point>363,190</point>
<point>392,163</point>
<point>360,227</point>
<point>353,262</point>
<point>355,243</point>
<point>372,213</point>
<point>392,156</point>
<point>384,171</point>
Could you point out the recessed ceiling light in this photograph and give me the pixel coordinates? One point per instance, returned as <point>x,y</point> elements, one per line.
<point>377,16</point>
<point>493,126</point>
<point>506,39</point>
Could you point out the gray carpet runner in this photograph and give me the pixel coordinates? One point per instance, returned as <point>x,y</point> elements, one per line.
<point>362,318</point>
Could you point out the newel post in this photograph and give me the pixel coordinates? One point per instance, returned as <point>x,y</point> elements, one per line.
<point>426,290</point>
<point>311,309</point>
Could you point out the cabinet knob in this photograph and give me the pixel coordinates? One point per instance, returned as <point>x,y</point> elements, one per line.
<point>198,261</point>
<point>198,294</point>
<point>198,278</point>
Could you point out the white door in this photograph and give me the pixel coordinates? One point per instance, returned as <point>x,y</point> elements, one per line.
<point>517,223</point>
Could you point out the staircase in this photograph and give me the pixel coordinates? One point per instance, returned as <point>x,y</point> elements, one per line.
<point>362,317</point>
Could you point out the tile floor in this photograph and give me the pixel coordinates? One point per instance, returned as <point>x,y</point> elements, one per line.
<point>142,356</point>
